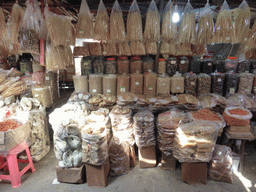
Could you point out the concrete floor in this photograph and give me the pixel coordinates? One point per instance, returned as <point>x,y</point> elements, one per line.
<point>138,180</point>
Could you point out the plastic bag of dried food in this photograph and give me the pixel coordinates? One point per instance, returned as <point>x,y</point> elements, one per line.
<point>94,143</point>
<point>242,100</point>
<point>205,26</point>
<point>190,83</point>
<point>204,84</point>
<point>220,168</point>
<point>30,30</point>
<point>205,115</point>
<point>14,22</point>
<point>84,27</point>
<point>242,19</point>
<point>101,28</point>
<point>245,83</point>
<point>237,116</point>
<point>4,48</point>
<point>167,123</point>
<point>144,129</point>
<point>224,30</point>
<point>217,82</point>
<point>251,41</point>
<point>187,33</point>
<point>119,157</point>
<point>55,25</point>
<point>152,28</point>
<point>134,30</point>
<point>195,141</point>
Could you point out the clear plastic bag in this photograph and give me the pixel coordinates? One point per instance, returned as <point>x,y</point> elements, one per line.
<point>212,100</point>
<point>224,30</point>
<point>231,82</point>
<point>204,84</point>
<point>187,33</point>
<point>119,156</point>
<point>29,34</point>
<point>134,30</point>
<point>251,41</point>
<point>144,129</point>
<point>94,143</point>
<point>217,82</point>
<point>101,28</point>
<point>55,25</point>
<point>195,141</point>
<point>167,123</point>
<point>242,19</point>
<point>177,83</point>
<point>205,26</point>
<point>188,102</point>
<point>163,85</point>
<point>237,116</point>
<point>242,100</point>
<point>245,83</point>
<point>221,164</point>
<point>84,27</point>
<point>4,50</point>
<point>190,83</point>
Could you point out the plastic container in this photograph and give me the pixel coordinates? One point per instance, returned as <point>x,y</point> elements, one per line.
<point>123,65</point>
<point>171,66</point>
<point>177,83</point>
<point>110,66</point>
<point>190,83</point>
<point>148,64</point>
<point>195,64</point>
<point>244,67</point>
<point>203,84</point>
<point>183,65</point>
<point>207,64</point>
<point>109,84</point>
<point>26,66</point>
<point>123,84</point>
<point>217,82</point>
<point>219,64</point>
<point>99,65</point>
<point>80,83</point>
<point>135,65</point>
<point>137,83</point>
<point>231,64</point>
<point>95,84</point>
<point>86,66</point>
<point>161,66</point>
<point>231,82</point>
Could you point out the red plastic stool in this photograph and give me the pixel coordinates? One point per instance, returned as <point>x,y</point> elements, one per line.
<point>12,162</point>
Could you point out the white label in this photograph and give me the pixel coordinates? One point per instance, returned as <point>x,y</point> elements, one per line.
<point>94,90</point>
<point>174,98</point>
<point>137,83</point>
<point>163,84</point>
<point>219,80</point>
<point>122,89</point>
<point>183,62</point>
<point>173,62</point>
<point>36,95</point>
<point>232,90</point>
<point>227,38</point>
<point>47,78</point>
<point>245,39</point>
<point>150,88</point>
<point>108,91</point>
<point>81,31</point>
<point>209,64</point>
<point>193,83</point>
<point>178,88</point>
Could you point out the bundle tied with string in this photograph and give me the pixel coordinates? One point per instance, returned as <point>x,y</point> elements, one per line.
<point>134,30</point>
<point>117,31</point>
<point>169,31</point>
<point>152,29</point>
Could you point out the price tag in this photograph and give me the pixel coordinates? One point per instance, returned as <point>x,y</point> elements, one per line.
<point>47,78</point>
<point>163,84</point>
<point>174,98</point>
<point>178,88</point>
<point>108,91</point>
<point>36,95</point>
<point>232,90</point>
<point>193,83</point>
<point>227,38</point>
<point>94,90</point>
<point>137,83</point>
<point>173,62</point>
<point>219,80</point>
<point>183,62</point>
<point>122,89</point>
<point>150,88</point>
<point>81,31</point>
<point>209,64</point>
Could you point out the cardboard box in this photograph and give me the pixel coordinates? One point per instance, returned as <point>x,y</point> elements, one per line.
<point>74,175</point>
<point>168,161</point>
<point>132,157</point>
<point>97,175</point>
<point>147,157</point>
<point>194,172</point>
